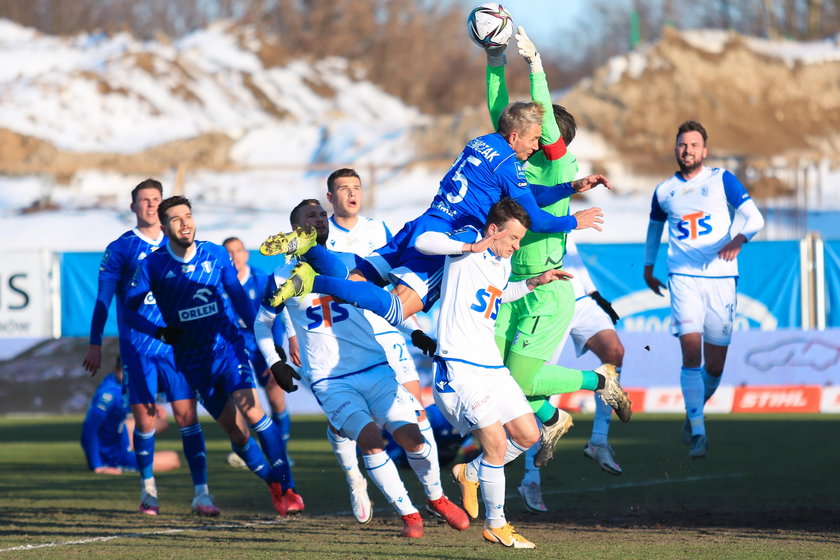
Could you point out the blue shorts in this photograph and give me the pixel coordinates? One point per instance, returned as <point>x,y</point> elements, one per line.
<point>399,262</point>
<point>146,375</point>
<point>217,374</point>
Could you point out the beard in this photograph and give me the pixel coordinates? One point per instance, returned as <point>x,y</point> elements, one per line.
<point>181,242</point>
<point>689,169</point>
<point>321,237</point>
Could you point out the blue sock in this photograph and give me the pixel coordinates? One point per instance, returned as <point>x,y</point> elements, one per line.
<point>710,384</point>
<point>271,441</point>
<point>254,458</point>
<point>283,423</point>
<point>144,449</point>
<point>192,438</point>
<point>326,262</point>
<point>362,294</point>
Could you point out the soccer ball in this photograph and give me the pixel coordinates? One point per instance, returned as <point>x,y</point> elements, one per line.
<point>490,25</point>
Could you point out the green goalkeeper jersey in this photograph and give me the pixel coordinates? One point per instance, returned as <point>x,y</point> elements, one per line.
<point>538,251</point>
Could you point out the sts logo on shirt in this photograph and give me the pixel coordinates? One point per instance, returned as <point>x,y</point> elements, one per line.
<point>488,301</point>
<point>694,225</point>
<point>325,311</point>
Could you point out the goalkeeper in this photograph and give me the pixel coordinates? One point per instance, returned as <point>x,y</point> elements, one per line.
<point>530,330</point>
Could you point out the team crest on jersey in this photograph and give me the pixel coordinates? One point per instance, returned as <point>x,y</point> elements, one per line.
<point>141,256</point>
<point>207,266</point>
<point>704,191</point>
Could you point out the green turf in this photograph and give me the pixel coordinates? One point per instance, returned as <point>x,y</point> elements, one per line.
<point>768,489</point>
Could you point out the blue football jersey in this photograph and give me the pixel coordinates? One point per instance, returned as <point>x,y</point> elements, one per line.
<point>121,259</point>
<point>254,287</point>
<point>486,171</point>
<point>190,295</point>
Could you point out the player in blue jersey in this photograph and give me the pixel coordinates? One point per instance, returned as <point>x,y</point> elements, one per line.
<point>106,432</point>
<point>253,281</point>
<point>187,279</point>
<point>148,363</point>
<point>696,202</point>
<point>487,170</point>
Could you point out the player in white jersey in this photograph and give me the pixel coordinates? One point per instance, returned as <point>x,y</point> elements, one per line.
<point>473,388</point>
<point>696,203</point>
<point>352,235</point>
<point>351,379</point>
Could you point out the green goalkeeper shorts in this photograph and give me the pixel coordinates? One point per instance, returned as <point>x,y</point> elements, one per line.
<point>535,324</point>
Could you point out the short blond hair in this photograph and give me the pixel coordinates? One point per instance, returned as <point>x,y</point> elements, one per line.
<point>518,116</point>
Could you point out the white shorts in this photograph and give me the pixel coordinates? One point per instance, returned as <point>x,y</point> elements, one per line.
<point>588,320</point>
<point>703,305</point>
<point>355,401</point>
<point>472,397</point>
<point>398,356</point>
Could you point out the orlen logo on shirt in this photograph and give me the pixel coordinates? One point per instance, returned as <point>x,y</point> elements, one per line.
<point>201,311</point>
<point>694,225</point>
<point>195,313</point>
<point>488,302</point>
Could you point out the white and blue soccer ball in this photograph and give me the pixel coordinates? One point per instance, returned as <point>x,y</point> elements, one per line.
<point>490,25</point>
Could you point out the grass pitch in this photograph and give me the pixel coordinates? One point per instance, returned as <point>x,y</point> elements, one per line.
<point>768,489</point>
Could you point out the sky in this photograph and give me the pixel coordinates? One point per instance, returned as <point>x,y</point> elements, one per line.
<point>542,19</point>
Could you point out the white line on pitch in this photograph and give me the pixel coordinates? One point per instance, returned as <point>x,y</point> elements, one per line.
<point>136,535</point>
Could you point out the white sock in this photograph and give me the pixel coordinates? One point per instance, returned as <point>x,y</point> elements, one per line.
<point>471,472</point>
<point>426,471</point>
<point>691,382</point>
<point>601,422</point>
<point>201,489</point>
<point>492,480</point>
<point>532,472</point>
<point>383,473</point>
<point>710,384</point>
<point>344,450</point>
<point>512,451</point>
<point>149,485</point>
<point>429,435</point>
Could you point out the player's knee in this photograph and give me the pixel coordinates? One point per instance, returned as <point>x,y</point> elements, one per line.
<point>409,438</point>
<point>370,439</point>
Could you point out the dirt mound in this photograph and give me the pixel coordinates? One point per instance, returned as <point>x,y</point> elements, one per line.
<point>23,155</point>
<point>755,106</point>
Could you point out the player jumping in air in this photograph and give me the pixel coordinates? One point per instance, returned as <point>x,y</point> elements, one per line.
<point>349,374</point>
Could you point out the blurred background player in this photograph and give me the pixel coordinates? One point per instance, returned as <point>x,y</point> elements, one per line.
<point>353,235</point>
<point>148,363</point>
<point>188,279</point>
<point>253,281</point>
<point>472,387</point>
<point>353,382</point>
<point>530,330</point>
<point>107,429</point>
<point>702,267</point>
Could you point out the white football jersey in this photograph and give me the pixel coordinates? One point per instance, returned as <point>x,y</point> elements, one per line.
<point>471,293</point>
<point>699,216</point>
<point>365,237</point>
<point>582,282</point>
<point>336,339</point>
